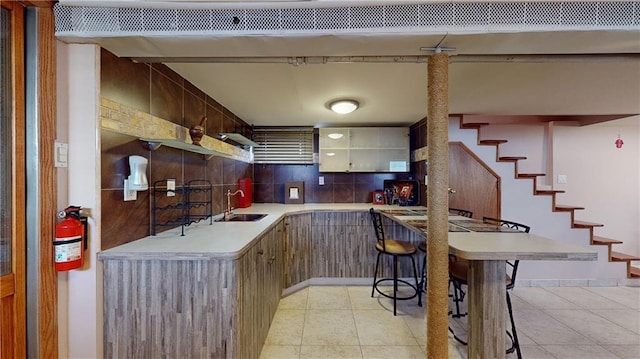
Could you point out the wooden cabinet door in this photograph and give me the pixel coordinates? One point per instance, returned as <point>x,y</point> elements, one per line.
<point>476,185</point>
<point>297,249</point>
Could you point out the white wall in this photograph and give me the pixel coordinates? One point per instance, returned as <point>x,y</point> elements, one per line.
<point>602,178</point>
<point>80,291</point>
<point>524,140</point>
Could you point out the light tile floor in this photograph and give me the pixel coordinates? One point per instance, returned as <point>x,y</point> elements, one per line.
<point>552,322</point>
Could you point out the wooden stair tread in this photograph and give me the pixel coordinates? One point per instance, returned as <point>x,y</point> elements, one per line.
<point>584,224</point>
<point>566,208</point>
<point>511,158</point>
<point>605,241</point>
<point>549,191</point>
<point>474,124</point>
<point>492,142</point>
<point>531,175</point>
<point>623,257</point>
<point>634,272</point>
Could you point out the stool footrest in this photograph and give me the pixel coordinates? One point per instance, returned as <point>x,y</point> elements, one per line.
<point>415,290</point>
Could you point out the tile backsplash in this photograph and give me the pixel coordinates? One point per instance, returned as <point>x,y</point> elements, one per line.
<point>157,90</point>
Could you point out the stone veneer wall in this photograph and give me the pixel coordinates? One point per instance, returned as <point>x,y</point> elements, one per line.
<point>158,91</point>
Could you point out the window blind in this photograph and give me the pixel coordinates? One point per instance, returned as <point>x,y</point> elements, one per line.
<point>283,145</point>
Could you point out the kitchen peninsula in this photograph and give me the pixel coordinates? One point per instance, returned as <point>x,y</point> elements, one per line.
<point>214,291</point>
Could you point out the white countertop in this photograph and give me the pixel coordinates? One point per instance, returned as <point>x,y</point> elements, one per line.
<point>507,246</point>
<point>231,239</point>
<point>223,239</point>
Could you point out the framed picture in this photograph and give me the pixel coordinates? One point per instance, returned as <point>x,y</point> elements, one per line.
<point>294,192</point>
<point>378,197</point>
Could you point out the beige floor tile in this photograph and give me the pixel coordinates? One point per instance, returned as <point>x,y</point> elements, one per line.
<point>382,328</point>
<point>596,328</point>
<point>418,327</point>
<point>456,350</point>
<point>280,352</point>
<point>544,329</point>
<point>297,300</point>
<point>360,298</point>
<point>625,318</point>
<point>531,351</point>
<point>333,352</point>
<point>564,329</point>
<point>583,298</point>
<point>396,352</point>
<point>404,306</point>
<point>540,298</point>
<point>328,297</point>
<point>626,296</point>
<point>286,327</point>
<point>579,351</point>
<point>329,327</point>
<point>624,351</point>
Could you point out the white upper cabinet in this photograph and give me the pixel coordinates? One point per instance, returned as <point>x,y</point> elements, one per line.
<point>364,149</point>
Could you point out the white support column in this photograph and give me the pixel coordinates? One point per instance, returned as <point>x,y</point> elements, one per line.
<point>79,94</point>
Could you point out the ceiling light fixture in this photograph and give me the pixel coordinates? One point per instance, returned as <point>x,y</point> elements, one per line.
<point>335,136</point>
<point>344,107</point>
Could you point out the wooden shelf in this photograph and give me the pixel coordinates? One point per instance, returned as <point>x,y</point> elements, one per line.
<point>154,142</point>
<point>156,131</point>
<point>236,137</point>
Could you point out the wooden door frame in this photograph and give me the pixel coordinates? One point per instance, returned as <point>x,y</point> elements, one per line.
<point>13,291</point>
<point>47,296</point>
<point>47,197</point>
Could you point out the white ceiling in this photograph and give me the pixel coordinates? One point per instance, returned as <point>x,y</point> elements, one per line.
<point>588,83</point>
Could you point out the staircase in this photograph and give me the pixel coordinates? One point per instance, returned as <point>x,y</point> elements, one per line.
<point>632,271</point>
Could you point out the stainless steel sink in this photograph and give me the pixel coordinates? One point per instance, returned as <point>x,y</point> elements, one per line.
<point>243,217</point>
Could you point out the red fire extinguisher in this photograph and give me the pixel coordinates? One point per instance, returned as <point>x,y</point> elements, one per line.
<point>70,241</point>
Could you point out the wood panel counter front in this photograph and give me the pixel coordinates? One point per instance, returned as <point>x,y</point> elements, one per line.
<point>213,292</point>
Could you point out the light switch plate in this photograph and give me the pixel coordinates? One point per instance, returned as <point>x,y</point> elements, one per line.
<point>321,180</point>
<point>171,188</point>
<point>129,195</point>
<point>61,154</point>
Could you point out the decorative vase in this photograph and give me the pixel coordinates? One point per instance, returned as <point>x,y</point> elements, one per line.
<point>197,131</point>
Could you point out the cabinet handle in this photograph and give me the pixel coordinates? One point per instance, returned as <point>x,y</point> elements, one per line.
<point>272,259</point>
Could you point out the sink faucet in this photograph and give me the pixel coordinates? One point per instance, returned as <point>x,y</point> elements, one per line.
<point>228,212</point>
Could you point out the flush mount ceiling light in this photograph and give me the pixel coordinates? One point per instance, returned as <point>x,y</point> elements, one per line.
<point>344,107</point>
<point>335,136</point>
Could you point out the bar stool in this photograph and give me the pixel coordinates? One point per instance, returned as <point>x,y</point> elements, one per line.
<point>396,249</point>
<point>422,247</point>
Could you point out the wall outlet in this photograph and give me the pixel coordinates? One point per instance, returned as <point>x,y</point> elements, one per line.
<point>171,188</point>
<point>129,195</point>
<point>321,180</point>
<point>562,179</point>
